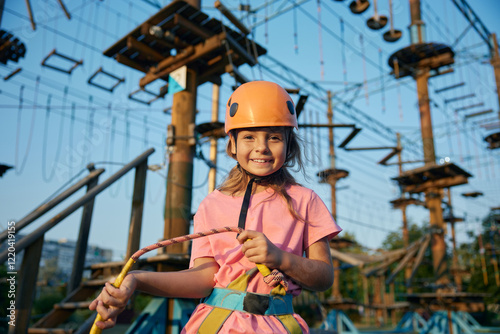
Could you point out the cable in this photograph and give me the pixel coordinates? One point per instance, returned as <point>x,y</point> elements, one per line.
<point>19,169</point>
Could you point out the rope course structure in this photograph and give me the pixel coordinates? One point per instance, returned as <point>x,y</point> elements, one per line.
<point>116,112</point>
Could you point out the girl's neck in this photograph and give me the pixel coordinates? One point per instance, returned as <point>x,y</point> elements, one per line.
<point>257,188</point>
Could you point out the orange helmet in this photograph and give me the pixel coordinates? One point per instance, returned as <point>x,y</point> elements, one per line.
<point>260,104</point>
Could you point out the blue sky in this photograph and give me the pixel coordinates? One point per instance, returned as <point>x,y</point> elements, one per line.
<point>62,123</point>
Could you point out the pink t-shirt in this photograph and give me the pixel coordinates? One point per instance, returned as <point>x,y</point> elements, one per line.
<point>267,213</point>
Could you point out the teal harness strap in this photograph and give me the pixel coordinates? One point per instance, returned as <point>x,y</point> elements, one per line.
<point>235,298</point>
<point>254,303</point>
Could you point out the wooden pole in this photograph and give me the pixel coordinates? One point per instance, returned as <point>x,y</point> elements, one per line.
<point>433,196</point>
<point>332,180</point>
<point>213,142</point>
<point>180,166</point>
<point>82,243</point>
<point>495,62</point>
<point>456,276</point>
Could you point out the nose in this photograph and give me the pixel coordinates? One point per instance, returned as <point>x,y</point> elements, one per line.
<point>261,146</point>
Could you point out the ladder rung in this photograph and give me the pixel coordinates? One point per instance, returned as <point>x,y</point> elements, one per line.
<point>73,305</point>
<point>50,331</point>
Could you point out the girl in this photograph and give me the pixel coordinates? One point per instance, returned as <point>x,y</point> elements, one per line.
<point>287,228</point>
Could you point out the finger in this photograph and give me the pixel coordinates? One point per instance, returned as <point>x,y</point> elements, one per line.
<point>242,237</point>
<point>106,324</point>
<point>93,305</point>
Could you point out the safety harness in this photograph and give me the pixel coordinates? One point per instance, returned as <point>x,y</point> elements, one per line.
<point>235,296</point>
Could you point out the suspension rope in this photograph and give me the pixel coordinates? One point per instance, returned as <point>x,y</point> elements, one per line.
<point>59,140</point>
<point>146,131</point>
<point>20,169</point>
<point>270,279</point>
<point>343,51</point>
<point>365,79</point>
<point>320,41</point>
<point>113,194</point>
<point>382,81</point>
<point>106,142</point>
<point>71,132</point>
<point>295,29</point>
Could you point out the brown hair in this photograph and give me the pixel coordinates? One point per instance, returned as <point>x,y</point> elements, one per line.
<point>237,179</point>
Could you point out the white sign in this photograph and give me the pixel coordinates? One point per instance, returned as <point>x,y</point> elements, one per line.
<point>177,80</point>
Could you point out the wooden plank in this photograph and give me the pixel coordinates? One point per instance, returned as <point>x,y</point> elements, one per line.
<point>250,59</point>
<point>173,63</point>
<point>197,30</point>
<point>130,63</point>
<point>439,183</point>
<point>146,51</point>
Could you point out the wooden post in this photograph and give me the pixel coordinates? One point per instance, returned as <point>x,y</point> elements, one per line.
<point>433,197</point>
<point>134,234</point>
<point>366,300</point>
<point>82,242</point>
<point>457,276</point>
<point>180,170</point>
<point>406,235</point>
<point>213,141</point>
<point>495,62</point>
<point>26,285</point>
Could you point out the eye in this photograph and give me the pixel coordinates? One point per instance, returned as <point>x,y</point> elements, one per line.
<point>276,137</point>
<point>247,136</point>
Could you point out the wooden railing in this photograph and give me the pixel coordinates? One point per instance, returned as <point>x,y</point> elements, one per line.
<point>32,243</point>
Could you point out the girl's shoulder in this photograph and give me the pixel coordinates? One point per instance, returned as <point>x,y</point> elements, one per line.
<point>299,190</point>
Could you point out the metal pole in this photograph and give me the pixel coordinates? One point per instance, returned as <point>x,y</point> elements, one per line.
<point>213,142</point>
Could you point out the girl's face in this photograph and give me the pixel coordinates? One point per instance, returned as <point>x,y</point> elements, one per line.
<point>260,151</point>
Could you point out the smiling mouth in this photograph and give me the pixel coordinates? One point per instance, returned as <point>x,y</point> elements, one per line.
<point>261,160</point>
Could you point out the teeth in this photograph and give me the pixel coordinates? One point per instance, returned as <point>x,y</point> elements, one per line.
<point>259,160</point>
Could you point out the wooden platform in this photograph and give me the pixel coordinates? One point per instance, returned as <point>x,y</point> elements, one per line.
<point>432,176</point>
<point>455,301</point>
<point>181,35</point>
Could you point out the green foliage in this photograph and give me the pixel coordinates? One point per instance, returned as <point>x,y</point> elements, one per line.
<point>394,240</point>
<point>483,274</point>
<point>46,299</point>
<point>424,275</point>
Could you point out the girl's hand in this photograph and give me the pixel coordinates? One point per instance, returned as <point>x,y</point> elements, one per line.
<point>258,249</point>
<point>112,301</point>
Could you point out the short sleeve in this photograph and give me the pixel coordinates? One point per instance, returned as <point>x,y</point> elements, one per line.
<point>201,246</point>
<point>320,222</point>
